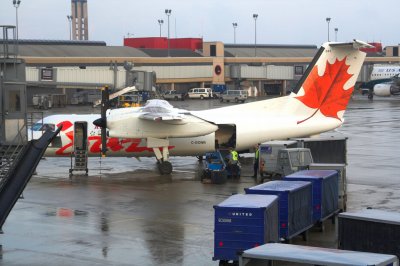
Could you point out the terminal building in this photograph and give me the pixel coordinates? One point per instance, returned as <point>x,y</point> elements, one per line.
<point>68,67</point>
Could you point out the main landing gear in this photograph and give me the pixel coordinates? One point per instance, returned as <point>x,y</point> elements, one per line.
<point>160,148</point>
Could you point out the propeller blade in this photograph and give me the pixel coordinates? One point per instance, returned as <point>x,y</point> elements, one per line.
<point>102,122</point>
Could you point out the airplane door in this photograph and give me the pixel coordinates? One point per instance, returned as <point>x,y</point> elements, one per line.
<point>80,136</point>
<point>80,148</point>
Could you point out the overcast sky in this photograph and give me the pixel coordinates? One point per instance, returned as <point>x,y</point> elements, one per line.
<point>279,21</point>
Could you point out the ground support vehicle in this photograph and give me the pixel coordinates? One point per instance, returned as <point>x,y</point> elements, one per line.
<point>200,93</point>
<point>216,167</point>
<point>285,254</point>
<point>242,222</point>
<point>174,95</point>
<point>370,230</point>
<point>295,205</point>
<point>233,96</point>
<point>280,158</point>
<point>324,193</point>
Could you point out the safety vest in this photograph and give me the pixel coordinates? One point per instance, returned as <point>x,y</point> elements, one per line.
<point>235,156</point>
<point>257,154</point>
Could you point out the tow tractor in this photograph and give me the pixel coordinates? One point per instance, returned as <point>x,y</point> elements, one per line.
<point>217,169</point>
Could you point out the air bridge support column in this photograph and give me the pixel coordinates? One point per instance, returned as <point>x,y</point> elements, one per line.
<point>284,84</point>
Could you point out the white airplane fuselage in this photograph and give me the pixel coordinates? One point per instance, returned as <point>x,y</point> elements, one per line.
<point>246,124</point>
<point>384,71</point>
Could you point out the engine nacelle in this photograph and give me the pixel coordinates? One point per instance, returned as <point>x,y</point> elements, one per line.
<point>386,90</point>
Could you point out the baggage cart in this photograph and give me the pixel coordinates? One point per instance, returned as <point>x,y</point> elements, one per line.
<point>324,192</point>
<point>326,149</point>
<point>242,222</point>
<point>295,205</point>
<point>370,230</point>
<point>341,168</point>
<point>285,254</point>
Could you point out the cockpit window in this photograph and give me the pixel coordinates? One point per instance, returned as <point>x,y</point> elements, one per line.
<point>43,127</point>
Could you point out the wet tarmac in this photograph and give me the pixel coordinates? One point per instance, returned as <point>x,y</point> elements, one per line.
<point>125,213</point>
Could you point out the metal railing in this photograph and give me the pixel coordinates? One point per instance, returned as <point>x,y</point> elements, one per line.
<point>10,155</point>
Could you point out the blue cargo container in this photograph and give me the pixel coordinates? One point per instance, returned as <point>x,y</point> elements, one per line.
<point>243,222</point>
<point>295,205</point>
<point>325,191</point>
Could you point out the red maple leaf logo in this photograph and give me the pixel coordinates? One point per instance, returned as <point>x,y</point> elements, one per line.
<point>326,93</point>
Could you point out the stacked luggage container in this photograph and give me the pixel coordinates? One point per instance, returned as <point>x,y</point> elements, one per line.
<point>324,190</point>
<point>243,222</point>
<point>295,205</point>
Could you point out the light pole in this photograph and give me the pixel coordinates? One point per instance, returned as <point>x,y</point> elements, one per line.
<point>336,30</point>
<point>160,22</point>
<point>168,13</point>
<point>328,20</point>
<point>234,24</point>
<point>255,16</point>
<point>16,4</point>
<point>70,26</point>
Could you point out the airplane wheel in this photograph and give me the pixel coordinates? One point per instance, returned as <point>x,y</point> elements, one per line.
<point>165,168</point>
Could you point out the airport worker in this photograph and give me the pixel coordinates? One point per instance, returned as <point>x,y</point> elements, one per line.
<point>234,156</point>
<point>256,159</point>
<point>233,163</point>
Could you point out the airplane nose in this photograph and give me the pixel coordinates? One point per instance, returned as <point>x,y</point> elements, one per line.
<point>100,122</point>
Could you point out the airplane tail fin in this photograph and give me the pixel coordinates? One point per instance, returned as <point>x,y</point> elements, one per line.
<point>328,83</point>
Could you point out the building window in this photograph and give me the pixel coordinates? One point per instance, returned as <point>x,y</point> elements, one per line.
<point>298,70</point>
<point>395,51</point>
<point>213,50</point>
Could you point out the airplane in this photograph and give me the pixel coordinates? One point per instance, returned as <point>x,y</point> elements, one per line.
<point>158,129</point>
<point>384,81</point>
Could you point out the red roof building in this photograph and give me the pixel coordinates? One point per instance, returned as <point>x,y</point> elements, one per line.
<point>162,43</point>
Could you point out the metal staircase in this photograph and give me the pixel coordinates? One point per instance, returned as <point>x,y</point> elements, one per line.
<point>10,155</point>
<point>80,162</point>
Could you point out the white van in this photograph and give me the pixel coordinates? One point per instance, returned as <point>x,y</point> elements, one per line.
<point>200,93</point>
<point>234,95</point>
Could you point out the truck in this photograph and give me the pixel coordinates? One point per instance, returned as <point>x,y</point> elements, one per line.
<point>323,150</point>
<point>280,158</point>
<point>234,96</point>
<point>174,95</point>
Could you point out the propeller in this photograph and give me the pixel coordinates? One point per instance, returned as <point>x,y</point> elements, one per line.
<point>102,121</point>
